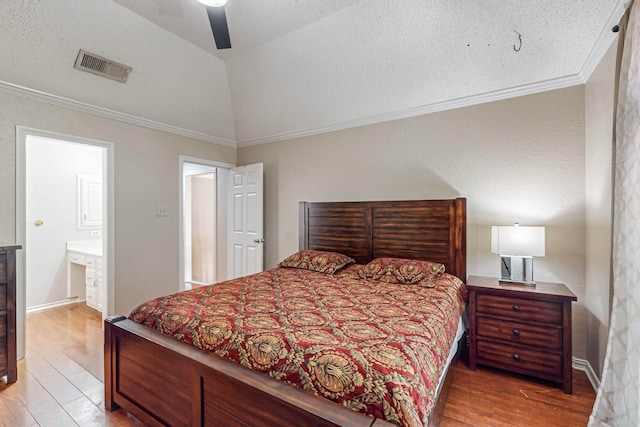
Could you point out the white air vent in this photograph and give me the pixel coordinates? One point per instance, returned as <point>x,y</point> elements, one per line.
<point>104,67</point>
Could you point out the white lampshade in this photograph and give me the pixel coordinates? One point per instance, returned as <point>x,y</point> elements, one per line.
<point>517,240</point>
<point>213,3</point>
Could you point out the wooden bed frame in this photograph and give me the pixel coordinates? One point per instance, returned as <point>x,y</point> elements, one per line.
<point>163,381</point>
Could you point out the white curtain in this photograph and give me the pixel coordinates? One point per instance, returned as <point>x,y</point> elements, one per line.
<point>617,402</point>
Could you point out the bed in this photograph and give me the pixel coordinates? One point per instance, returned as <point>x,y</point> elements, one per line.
<point>164,381</point>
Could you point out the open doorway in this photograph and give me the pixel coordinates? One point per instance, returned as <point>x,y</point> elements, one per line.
<point>64,216</point>
<point>199,225</point>
<point>203,217</point>
<point>236,209</point>
<point>64,222</point>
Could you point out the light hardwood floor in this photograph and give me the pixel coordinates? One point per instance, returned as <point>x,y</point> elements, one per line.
<point>489,397</point>
<point>60,381</point>
<point>60,384</point>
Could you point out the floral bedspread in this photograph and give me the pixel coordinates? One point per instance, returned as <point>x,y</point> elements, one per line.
<point>374,347</point>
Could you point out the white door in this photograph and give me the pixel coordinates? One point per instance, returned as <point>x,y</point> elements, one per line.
<point>246,238</point>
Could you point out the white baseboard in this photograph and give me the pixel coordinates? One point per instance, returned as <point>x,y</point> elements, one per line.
<point>585,366</point>
<point>42,307</point>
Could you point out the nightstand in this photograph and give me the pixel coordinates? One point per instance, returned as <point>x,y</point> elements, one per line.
<point>522,329</point>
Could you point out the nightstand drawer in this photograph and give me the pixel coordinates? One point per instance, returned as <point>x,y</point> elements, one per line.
<point>521,333</point>
<point>3,296</point>
<point>540,363</point>
<point>520,308</point>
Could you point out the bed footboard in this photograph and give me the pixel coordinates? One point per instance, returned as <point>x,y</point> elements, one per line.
<point>163,381</point>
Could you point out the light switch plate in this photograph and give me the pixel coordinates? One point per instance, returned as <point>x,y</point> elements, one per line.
<point>161,210</point>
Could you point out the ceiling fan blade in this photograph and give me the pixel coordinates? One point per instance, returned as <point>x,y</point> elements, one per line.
<point>218,21</point>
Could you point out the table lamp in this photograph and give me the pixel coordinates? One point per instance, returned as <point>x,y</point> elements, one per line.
<point>517,246</point>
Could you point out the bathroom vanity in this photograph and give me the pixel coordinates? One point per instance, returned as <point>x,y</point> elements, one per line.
<point>86,283</point>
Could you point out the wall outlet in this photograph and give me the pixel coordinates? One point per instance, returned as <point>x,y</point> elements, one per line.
<point>161,210</point>
<point>96,232</point>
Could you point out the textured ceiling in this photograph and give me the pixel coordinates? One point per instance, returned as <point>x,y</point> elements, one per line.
<point>251,22</point>
<point>300,66</point>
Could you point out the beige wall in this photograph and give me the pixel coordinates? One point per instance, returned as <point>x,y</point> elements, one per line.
<point>146,174</point>
<point>519,160</point>
<point>599,110</point>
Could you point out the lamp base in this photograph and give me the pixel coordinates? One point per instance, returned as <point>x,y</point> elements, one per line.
<point>514,282</point>
<point>517,269</point>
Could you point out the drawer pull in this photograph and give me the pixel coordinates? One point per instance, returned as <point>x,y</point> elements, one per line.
<point>516,356</point>
<point>516,307</point>
<point>516,332</point>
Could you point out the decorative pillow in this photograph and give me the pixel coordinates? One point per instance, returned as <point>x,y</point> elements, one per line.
<point>320,261</point>
<point>400,270</point>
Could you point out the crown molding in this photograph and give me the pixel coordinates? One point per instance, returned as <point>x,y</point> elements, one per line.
<point>547,85</point>
<point>605,39</point>
<point>603,43</point>
<point>82,107</point>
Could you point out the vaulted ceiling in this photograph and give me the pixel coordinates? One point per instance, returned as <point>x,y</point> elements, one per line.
<point>298,67</point>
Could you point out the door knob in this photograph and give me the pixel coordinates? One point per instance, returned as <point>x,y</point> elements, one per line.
<point>39,223</point>
<point>258,240</point>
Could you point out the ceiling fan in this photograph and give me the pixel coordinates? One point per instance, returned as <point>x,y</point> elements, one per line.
<point>218,21</point>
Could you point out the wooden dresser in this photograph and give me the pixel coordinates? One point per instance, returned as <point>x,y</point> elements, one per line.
<point>523,329</point>
<point>8,312</point>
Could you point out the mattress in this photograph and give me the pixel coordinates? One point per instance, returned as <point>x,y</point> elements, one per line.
<point>375,347</point>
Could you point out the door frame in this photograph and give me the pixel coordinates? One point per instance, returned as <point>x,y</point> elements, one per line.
<point>108,240</point>
<point>181,161</point>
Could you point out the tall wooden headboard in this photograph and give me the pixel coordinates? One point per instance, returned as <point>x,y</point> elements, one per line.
<point>432,230</point>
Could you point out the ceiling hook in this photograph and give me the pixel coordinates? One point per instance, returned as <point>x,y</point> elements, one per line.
<point>517,49</point>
